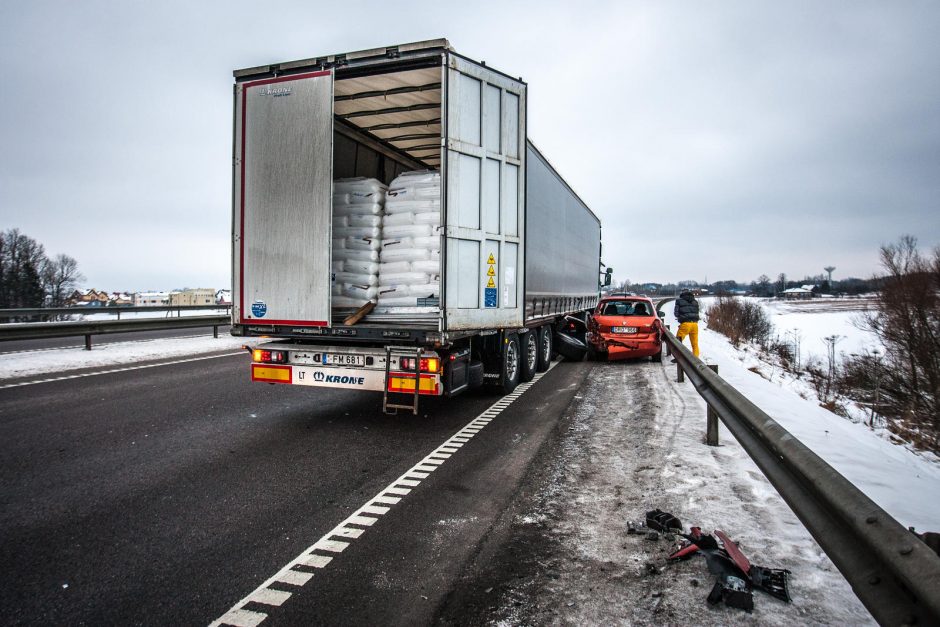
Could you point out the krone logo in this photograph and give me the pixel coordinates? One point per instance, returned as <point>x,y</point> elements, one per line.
<point>318,376</point>
<point>274,91</point>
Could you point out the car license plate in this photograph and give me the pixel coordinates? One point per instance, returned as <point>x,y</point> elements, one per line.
<point>337,359</point>
<point>624,329</point>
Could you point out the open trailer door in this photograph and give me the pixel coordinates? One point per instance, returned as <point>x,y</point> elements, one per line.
<point>283,176</point>
<point>485,197</point>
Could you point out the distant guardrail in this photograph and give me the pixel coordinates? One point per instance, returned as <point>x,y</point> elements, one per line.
<point>893,573</point>
<point>88,328</point>
<point>169,310</point>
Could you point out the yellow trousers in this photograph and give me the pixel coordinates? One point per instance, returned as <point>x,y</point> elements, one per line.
<point>690,329</point>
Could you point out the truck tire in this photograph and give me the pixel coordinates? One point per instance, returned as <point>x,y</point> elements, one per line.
<point>511,365</point>
<point>546,347</point>
<point>658,357</point>
<point>529,356</point>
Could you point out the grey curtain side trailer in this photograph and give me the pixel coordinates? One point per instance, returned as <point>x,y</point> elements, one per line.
<point>519,250</point>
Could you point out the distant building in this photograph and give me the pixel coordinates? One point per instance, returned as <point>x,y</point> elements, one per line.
<point>223,297</point>
<point>88,298</point>
<point>799,293</point>
<point>193,297</point>
<point>152,299</point>
<point>120,299</point>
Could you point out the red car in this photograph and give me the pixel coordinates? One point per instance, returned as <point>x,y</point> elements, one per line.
<point>625,327</point>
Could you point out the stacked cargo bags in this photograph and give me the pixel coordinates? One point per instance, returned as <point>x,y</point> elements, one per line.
<point>358,207</point>
<point>410,260</point>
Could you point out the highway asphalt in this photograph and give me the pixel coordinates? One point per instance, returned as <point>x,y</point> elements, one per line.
<point>169,495</point>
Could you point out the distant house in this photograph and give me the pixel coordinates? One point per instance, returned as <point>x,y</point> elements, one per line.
<point>799,293</point>
<point>193,297</point>
<point>223,297</point>
<point>151,299</point>
<point>88,298</point>
<point>120,299</point>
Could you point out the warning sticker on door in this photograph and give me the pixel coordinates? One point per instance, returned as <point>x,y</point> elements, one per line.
<point>490,293</point>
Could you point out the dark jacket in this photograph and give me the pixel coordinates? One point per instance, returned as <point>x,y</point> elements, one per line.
<point>686,308</point>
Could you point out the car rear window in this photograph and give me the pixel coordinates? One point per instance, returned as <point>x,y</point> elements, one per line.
<point>626,308</point>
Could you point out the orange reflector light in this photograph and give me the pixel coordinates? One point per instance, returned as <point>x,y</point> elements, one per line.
<point>271,374</point>
<point>428,385</point>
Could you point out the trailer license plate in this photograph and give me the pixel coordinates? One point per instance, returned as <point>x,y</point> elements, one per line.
<point>337,359</point>
<point>624,330</point>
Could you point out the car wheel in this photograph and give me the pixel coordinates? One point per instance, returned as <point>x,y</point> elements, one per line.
<point>529,359</point>
<point>546,347</point>
<point>512,365</point>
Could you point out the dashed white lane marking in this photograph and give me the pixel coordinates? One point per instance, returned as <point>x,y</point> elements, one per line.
<point>245,618</point>
<point>357,524</point>
<point>113,370</point>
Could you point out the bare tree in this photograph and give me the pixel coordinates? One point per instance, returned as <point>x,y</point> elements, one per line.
<point>907,321</point>
<point>60,275</point>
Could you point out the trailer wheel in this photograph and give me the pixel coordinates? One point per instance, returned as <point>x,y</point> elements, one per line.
<point>512,365</point>
<point>546,348</point>
<point>530,356</point>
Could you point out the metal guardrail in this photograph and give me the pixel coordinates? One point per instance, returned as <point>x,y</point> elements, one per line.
<point>893,573</point>
<point>41,330</point>
<point>115,311</point>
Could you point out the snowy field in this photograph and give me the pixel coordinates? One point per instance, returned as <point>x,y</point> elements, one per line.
<point>812,320</point>
<point>112,314</point>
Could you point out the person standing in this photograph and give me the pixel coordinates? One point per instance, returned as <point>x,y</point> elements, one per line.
<point>686,313</point>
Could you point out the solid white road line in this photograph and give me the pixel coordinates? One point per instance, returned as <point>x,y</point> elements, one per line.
<point>238,616</point>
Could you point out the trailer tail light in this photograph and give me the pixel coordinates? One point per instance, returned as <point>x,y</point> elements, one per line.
<point>428,364</point>
<point>269,357</point>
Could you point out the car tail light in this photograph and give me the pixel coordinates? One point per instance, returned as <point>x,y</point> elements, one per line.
<point>428,364</point>
<point>269,357</point>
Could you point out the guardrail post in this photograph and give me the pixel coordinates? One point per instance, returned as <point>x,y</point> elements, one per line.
<point>668,345</point>
<point>680,375</point>
<point>88,341</point>
<point>215,332</point>
<point>711,419</point>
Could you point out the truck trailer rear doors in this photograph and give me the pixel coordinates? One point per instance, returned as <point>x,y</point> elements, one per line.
<point>484,173</point>
<point>283,176</point>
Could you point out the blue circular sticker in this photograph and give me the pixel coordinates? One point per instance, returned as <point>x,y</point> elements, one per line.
<point>258,309</point>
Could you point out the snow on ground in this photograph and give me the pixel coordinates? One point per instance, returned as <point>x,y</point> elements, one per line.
<point>906,484</point>
<point>818,318</point>
<point>25,364</point>
<point>115,313</point>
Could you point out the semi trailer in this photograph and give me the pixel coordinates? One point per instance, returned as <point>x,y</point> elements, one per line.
<point>510,259</point>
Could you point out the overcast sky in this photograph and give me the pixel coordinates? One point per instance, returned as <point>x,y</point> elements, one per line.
<point>714,139</point>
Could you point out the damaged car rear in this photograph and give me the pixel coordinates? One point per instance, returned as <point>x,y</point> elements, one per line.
<point>625,327</point>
